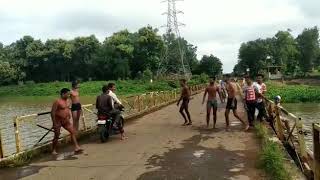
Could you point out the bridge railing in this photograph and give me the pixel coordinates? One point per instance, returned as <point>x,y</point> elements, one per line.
<point>316,150</point>
<point>35,130</point>
<point>290,130</point>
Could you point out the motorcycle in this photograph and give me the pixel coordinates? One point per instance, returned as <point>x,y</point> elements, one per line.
<point>107,126</point>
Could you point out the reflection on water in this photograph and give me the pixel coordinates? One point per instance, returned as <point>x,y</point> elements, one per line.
<point>309,113</point>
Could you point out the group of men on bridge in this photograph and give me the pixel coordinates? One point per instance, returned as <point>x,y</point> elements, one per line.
<point>108,104</point>
<point>254,94</point>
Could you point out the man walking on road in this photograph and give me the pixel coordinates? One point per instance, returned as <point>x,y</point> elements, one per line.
<point>212,102</point>
<point>185,97</point>
<point>232,103</point>
<point>60,115</point>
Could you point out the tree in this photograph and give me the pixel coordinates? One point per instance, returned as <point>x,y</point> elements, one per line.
<point>9,73</point>
<point>148,46</point>
<point>286,51</point>
<point>308,44</point>
<point>84,49</point>
<point>210,65</point>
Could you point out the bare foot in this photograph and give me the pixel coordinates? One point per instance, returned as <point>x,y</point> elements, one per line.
<point>124,138</point>
<point>184,124</point>
<point>78,151</point>
<point>246,128</point>
<point>190,123</point>
<point>54,153</point>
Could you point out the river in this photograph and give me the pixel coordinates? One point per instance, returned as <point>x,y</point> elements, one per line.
<point>309,113</point>
<point>11,107</point>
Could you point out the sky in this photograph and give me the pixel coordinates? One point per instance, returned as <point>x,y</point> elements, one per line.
<point>216,27</point>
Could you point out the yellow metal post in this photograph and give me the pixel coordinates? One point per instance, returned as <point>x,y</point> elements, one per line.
<point>279,124</point>
<point>17,136</point>
<point>316,151</point>
<point>83,120</point>
<point>139,106</point>
<point>301,139</point>
<point>1,146</point>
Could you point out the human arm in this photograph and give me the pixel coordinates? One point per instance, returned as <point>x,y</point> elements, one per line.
<point>204,95</point>
<point>181,96</point>
<point>219,93</point>
<point>53,112</point>
<point>114,97</point>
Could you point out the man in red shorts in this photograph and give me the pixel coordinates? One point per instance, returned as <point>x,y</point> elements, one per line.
<point>60,115</point>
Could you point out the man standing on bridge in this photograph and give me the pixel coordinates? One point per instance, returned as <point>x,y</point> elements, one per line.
<point>212,102</point>
<point>185,97</point>
<point>232,103</point>
<point>60,115</point>
<point>76,106</point>
<point>261,90</point>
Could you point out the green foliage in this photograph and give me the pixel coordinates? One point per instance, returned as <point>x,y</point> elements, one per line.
<point>210,65</point>
<point>124,87</point>
<point>123,55</point>
<point>9,73</point>
<point>294,56</point>
<point>293,93</point>
<point>271,158</point>
<point>308,43</point>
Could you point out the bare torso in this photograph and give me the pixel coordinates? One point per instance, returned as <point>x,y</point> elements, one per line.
<point>212,92</point>
<point>75,97</point>
<point>231,89</point>
<point>185,93</point>
<point>63,112</point>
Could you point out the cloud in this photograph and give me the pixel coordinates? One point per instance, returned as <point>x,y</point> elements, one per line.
<point>214,26</point>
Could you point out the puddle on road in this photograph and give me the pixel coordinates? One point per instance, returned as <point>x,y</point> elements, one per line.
<point>199,153</point>
<point>193,161</point>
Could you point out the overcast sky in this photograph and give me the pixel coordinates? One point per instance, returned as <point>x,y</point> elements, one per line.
<point>215,26</point>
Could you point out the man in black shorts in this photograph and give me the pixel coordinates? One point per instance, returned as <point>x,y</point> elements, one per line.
<point>185,97</point>
<point>232,103</point>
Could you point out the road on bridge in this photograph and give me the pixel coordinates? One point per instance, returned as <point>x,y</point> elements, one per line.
<point>158,148</point>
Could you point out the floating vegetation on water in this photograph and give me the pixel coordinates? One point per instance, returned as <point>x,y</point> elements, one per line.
<point>293,93</point>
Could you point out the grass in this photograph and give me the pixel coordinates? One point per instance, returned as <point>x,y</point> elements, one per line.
<point>293,93</point>
<point>20,160</point>
<point>271,158</point>
<point>127,87</point>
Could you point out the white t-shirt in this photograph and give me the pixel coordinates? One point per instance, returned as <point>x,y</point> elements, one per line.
<point>114,97</point>
<point>258,88</point>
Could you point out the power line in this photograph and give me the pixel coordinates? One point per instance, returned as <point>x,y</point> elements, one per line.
<point>172,28</point>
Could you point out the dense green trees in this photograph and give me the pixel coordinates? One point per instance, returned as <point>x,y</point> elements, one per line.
<point>210,65</point>
<point>123,55</point>
<point>295,56</point>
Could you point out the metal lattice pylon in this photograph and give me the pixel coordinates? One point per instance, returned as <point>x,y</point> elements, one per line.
<point>172,27</point>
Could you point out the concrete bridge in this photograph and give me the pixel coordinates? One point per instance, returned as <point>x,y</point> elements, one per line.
<point>158,148</point>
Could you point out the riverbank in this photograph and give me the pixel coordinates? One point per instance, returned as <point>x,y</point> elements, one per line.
<point>124,87</point>
<point>293,93</point>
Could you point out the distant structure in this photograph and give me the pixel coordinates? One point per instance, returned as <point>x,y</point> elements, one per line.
<point>172,28</point>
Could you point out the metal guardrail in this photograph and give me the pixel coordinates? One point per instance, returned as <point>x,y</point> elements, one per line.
<point>316,151</point>
<point>307,158</point>
<point>135,105</point>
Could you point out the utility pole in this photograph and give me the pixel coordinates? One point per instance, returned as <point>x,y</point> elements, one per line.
<point>172,28</point>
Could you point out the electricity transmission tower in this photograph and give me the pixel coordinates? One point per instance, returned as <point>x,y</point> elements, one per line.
<point>172,28</point>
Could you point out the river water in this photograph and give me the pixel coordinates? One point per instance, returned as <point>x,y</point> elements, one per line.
<point>12,107</point>
<point>309,113</point>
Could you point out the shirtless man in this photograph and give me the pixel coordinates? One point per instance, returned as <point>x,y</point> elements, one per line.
<point>76,106</point>
<point>185,97</point>
<point>212,102</point>
<point>60,115</point>
<point>232,103</point>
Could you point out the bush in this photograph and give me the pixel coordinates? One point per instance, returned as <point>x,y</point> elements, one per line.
<point>271,158</point>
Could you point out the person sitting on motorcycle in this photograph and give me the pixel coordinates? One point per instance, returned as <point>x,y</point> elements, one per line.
<point>105,107</point>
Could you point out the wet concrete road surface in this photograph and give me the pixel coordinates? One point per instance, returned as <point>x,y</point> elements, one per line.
<point>158,148</point>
